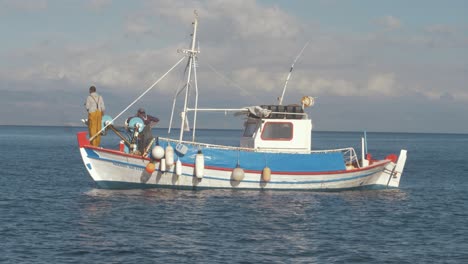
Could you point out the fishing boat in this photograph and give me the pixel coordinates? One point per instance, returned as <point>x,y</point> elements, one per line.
<point>274,151</point>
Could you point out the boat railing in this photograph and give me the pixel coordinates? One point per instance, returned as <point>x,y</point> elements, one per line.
<point>349,154</point>
<point>351,157</point>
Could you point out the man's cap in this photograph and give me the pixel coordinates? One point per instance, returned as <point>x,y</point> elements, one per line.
<point>141,110</point>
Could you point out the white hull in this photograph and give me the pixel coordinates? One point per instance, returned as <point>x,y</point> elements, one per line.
<point>111,169</point>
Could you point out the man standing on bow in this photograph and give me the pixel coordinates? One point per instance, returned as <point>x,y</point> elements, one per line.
<point>95,107</point>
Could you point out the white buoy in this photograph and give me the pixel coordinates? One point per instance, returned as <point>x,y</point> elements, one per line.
<point>199,165</point>
<point>178,168</point>
<point>266,174</point>
<point>157,152</point>
<point>169,156</point>
<point>163,165</point>
<point>238,174</point>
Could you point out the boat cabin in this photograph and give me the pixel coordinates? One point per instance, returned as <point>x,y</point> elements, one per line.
<point>285,129</point>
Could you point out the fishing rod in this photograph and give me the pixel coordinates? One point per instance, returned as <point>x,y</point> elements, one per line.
<point>280,99</point>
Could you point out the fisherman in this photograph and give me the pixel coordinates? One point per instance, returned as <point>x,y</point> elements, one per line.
<point>95,107</point>
<point>145,137</point>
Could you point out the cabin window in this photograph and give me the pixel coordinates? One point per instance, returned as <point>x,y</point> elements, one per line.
<point>277,131</point>
<point>250,128</point>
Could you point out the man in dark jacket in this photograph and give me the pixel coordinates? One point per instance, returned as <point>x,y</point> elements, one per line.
<point>146,135</point>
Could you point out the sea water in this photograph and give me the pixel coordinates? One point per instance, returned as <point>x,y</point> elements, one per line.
<point>52,212</point>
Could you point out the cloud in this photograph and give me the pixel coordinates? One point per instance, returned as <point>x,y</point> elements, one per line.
<point>242,19</point>
<point>24,5</point>
<point>390,22</point>
<point>440,29</point>
<point>382,84</point>
<point>252,20</point>
<point>325,86</point>
<point>98,62</point>
<point>256,79</point>
<point>250,45</point>
<point>137,26</point>
<point>98,5</point>
<point>254,63</point>
<point>94,63</point>
<point>443,36</point>
<point>436,94</point>
<point>447,97</point>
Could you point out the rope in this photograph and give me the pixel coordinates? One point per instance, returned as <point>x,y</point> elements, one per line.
<point>226,79</point>
<point>138,98</point>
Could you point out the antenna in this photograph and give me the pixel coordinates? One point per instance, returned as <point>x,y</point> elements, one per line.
<point>280,99</point>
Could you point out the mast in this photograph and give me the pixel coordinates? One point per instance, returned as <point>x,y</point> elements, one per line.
<point>196,100</point>
<point>192,54</point>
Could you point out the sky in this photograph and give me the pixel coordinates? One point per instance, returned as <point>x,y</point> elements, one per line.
<point>381,66</point>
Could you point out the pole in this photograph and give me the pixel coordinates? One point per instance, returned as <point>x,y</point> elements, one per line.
<point>196,103</point>
<point>280,99</point>
<point>173,106</point>
<point>189,75</point>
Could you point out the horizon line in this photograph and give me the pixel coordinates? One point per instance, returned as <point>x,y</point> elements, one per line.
<point>239,129</point>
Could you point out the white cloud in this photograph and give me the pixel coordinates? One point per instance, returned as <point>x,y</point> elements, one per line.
<point>252,20</point>
<point>390,22</point>
<point>25,5</point>
<point>382,84</point>
<point>440,29</point>
<point>95,63</point>
<point>251,43</point>
<point>98,4</point>
<point>243,18</point>
<point>324,86</point>
<point>436,94</point>
<point>136,26</point>
<point>253,78</point>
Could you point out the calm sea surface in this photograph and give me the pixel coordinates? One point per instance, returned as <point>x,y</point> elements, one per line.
<point>51,211</point>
